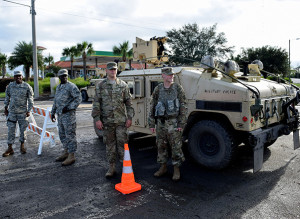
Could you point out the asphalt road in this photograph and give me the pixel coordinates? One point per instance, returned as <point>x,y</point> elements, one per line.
<point>33,186</point>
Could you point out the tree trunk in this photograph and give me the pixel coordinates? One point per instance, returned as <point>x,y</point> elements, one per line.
<point>3,71</point>
<point>72,75</point>
<point>84,66</point>
<point>27,72</point>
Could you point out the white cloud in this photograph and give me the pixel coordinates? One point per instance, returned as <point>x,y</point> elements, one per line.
<point>59,24</point>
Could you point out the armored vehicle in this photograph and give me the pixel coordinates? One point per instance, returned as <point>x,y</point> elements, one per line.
<point>225,109</point>
<point>88,93</point>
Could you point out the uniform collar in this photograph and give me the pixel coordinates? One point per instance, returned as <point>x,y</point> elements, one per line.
<point>118,81</point>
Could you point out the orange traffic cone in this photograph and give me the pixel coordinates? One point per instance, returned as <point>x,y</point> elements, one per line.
<point>128,184</point>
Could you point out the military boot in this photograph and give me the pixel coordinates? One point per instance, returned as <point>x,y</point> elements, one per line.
<point>9,151</point>
<point>70,160</point>
<point>162,170</point>
<point>111,170</point>
<point>176,174</point>
<point>22,148</point>
<point>62,157</point>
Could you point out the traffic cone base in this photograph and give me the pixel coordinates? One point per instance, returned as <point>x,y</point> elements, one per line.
<point>128,184</point>
<point>127,189</point>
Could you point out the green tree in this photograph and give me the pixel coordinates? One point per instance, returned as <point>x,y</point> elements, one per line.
<point>3,61</point>
<point>85,49</point>
<point>49,60</point>
<point>191,42</point>
<point>123,50</point>
<point>54,69</point>
<point>71,52</point>
<point>22,55</point>
<point>274,59</point>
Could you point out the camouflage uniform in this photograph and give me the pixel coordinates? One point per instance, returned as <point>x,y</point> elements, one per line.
<point>19,100</point>
<point>67,95</point>
<point>168,107</point>
<point>112,105</point>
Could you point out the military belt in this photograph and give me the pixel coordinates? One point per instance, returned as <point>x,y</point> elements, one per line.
<point>165,118</point>
<point>11,121</point>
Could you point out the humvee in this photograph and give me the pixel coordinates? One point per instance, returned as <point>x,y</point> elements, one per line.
<point>88,92</point>
<point>224,110</point>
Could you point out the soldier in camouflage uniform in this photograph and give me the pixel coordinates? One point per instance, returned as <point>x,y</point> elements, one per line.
<point>67,99</point>
<point>113,114</point>
<point>168,108</point>
<point>18,104</point>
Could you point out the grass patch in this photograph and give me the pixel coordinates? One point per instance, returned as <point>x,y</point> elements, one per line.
<point>2,94</point>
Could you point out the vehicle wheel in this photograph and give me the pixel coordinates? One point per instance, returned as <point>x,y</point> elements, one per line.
<point>210,144</point>
<point>84,96</point>
<point>99,132</point>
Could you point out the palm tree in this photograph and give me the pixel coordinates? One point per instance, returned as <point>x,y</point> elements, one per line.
<point>49,60</point>
<point>3,61</point>
<point>123,50</point>
<point>71,52</point>
<point>85,49</point>
<point>22,55</point>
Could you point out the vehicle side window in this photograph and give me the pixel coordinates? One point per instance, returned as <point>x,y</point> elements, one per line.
<point>130,85</point>
<point>153,84</point>
<point>138,91</point>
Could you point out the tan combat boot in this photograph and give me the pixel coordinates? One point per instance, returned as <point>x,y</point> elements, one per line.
<point>22,148</point>
<point>62,157</point>
<point>176,174</point>
<point>111,170</point>
<point>70,160</point>
<point>9,151</point>
<point>162,170</point>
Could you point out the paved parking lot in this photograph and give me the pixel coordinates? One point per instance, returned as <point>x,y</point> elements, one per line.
<point>33,186</point>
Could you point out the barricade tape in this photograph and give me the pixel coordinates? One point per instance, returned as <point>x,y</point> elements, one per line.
<point>46,113</point>
<point>39,131</point>
<point>40,111</point>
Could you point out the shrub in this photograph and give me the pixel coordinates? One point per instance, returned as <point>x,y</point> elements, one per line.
<point>4,82</point>
<point>80,82</point>
<point>50,75</point>
<point>44,85</point>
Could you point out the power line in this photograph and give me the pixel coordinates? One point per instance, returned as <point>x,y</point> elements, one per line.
<point>17,3</point>
<point>91,18</point>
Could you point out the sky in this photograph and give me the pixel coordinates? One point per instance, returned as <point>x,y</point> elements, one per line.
<point>64,23</point>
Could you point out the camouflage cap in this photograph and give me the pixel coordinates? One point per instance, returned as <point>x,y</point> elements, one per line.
<point>62,72</point>
<point>111,65</point>
<point>16,73</point>
<point>167,71</point>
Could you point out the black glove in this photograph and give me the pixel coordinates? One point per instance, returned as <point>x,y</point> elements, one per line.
<point>52,117</point>
<point>65,109</point>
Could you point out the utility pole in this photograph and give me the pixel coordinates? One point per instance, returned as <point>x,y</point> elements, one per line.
<point>35,64</point>
<point>34,49</point>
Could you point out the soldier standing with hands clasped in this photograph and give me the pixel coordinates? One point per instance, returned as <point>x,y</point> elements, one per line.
<point>168,108</point>
<point>113,114</point>
<point>17,106</point>
<point>67,99</point>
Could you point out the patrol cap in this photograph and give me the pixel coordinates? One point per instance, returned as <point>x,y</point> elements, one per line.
<point>16,73</point>
<point>167,71</point>
<point>111,65</point>
<point>62,72</point>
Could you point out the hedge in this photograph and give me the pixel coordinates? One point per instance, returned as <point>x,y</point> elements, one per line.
<point>44,85</point>
<point>4,82</point>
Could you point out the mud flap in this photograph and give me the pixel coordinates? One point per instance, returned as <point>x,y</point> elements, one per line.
<point>258,156</point>
<point>296,139</point>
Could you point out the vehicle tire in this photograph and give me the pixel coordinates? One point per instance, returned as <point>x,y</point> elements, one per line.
<point>98,132</point>
<point>210,144</point>
<point>84,96</point>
